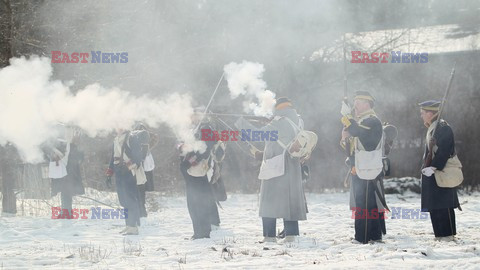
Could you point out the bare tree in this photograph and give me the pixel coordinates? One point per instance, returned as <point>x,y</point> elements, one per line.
<point>7,164</point>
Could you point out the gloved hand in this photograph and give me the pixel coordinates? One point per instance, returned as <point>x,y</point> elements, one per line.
<point>131,166</point>
<point>346,110</point>
<point>346,121</point>
<point>428,171</point>
<point>108,182</point>
<point>257,154</point>
<point>192,160</point>
<point>109,172</point>
<point>180,146</point>
<point>253,150</point>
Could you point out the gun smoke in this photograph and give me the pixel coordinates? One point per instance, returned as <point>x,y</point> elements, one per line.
<point>245,79</point>
<point>33,105</point>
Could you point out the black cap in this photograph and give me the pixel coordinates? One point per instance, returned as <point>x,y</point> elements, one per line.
<point>364,95</point>
<point>140,126</point>
<point>430,105</point>
<point>281,100</point>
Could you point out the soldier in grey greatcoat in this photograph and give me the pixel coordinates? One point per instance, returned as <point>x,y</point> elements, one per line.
<point>281,196</point>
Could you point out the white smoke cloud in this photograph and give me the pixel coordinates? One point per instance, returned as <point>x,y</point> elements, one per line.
<point>32,106</point>
<point>245,79</point>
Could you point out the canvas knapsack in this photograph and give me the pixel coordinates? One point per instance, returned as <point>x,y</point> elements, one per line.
<point>304,140</point>
<point>389,135</point>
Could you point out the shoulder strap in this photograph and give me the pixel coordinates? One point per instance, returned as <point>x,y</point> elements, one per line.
<point>295,127</point>
<point>379,146</point>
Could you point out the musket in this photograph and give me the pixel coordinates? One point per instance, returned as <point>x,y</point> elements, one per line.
<point>345,92</point>
<point>432,141</point>
<point>345,88</point>
<point>248,116</point>
<point>230,128</point>
<point>209,103</point>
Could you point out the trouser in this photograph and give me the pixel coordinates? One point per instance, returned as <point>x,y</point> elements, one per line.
<point>382,223</point>
<point>66,198</point>
<point>270,227</point>
<point>141,200</point>
<point>215,217</point>
<point>201,205</point>
<point>128,196</point>
<point>149,184</point>
<point>368,226</point>
<point>443,222</point>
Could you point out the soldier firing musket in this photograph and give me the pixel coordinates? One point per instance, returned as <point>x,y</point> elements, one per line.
<point>280,171</point>
<point>198,170</point>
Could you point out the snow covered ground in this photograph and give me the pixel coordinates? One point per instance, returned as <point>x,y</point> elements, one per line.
<point>37,241</point>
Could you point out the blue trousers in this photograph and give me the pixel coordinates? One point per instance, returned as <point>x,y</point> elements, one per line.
<point>443,222</point>
<point>128,196</point>
<point>201,204</point>
<point>366,228</point>
<point>270,226</point>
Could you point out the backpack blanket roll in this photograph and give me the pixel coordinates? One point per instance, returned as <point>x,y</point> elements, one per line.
<point>301,147</point>
<point>303,144</point>
<point>451,176</point>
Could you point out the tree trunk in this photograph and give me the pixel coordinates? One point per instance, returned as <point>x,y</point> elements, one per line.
<point>7,153</point>
<point>6,30</point>
<point>9,202</point>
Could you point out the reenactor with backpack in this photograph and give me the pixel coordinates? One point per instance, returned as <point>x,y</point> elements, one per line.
<point>281,191</point>
<point>363,140</point>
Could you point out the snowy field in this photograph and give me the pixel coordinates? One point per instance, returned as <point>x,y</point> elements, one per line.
<point>35,241</point>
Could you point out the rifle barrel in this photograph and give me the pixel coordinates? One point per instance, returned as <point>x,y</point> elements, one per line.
<point>345,86</point>
<point>429,157</point>
<point>445,96</point>
<point>235,115</point>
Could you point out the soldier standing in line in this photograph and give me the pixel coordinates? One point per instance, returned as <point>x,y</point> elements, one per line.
<point>439,201</point>
<point>362,138</point>
<point>126,164</point>
<point>194,167</point>
<point>281,193</point>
